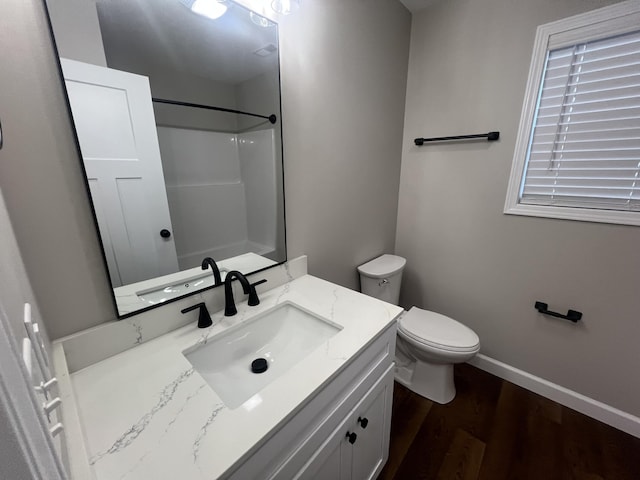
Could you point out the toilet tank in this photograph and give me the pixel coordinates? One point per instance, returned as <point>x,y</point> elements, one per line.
<point>381,277</point>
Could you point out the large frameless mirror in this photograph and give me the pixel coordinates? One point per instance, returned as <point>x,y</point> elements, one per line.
<point>176,105</point>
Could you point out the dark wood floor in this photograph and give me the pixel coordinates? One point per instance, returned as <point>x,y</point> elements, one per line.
<point>495,430</point>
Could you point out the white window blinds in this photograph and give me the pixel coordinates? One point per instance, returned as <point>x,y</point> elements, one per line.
<point>585,143</point>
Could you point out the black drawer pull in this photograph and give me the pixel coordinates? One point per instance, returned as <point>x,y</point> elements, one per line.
<point>352,437</point>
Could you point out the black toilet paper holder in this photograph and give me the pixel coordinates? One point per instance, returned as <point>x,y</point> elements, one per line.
<point>572,315</point>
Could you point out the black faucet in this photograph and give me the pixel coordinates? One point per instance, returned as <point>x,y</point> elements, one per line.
<point>208,261</point>
<point>247,288</point>
<point>204,319</point>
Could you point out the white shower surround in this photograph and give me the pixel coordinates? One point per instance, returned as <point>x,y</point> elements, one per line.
<point>222,198</point>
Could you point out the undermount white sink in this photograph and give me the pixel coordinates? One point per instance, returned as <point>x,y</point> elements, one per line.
<point>165,292</point>
<point>282,336</point>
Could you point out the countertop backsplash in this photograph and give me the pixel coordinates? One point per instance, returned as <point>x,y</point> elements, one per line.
<point>98,343</point>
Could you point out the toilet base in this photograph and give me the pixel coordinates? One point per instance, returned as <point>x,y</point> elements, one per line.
<point>429,380</point>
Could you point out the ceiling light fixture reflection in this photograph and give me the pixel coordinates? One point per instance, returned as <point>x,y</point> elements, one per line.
<point>260,20</point>
<point>285,7</point>
<point>207,8</point>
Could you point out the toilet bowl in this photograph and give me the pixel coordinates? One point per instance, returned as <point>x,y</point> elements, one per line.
<point>428,343</point>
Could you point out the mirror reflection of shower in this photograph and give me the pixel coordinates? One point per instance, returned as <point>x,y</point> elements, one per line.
<point>221,189</point>
<point>171,184</point>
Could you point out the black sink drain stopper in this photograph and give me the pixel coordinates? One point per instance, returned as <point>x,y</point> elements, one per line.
<point>259,365</point>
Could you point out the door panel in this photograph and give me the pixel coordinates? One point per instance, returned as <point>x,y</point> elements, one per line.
<point>114,119</point>
<point>327,466</point>
<point>113,136</point>
<point>101,216</point>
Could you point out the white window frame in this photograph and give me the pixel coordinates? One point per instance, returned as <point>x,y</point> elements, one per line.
<point>617,19</point>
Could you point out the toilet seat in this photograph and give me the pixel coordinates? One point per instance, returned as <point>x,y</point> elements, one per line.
<point>437,331</point>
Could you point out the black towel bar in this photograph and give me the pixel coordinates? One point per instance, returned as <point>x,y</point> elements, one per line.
<point>491,136</point>
<point>572,315</point>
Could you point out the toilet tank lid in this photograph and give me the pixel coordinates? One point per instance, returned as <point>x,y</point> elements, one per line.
<point>383,266</point>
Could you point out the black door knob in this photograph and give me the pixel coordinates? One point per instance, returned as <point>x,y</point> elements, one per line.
<point>363,422</point>
<point>352,437</point>
<point>164,233</point>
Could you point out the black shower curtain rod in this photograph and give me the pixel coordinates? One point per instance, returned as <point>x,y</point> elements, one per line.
<point>272,118</point>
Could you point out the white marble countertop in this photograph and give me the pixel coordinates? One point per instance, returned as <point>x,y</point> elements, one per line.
<point>146,414</point>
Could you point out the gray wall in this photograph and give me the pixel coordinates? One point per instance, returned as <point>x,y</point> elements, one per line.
<point>344,70</point>
<point>260,94</point>
<point>181,86</point>
<point>41,180</point>
<point>15,289</point>
<point>257,95</point>
<point>77,29</point>
<point>468,67</point>
<point>343,80</point>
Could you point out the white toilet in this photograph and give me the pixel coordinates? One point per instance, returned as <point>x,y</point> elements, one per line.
<point>428,343</point>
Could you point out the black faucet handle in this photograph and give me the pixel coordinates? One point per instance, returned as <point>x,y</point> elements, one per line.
<point>204,319</point>
<point>253,294</point>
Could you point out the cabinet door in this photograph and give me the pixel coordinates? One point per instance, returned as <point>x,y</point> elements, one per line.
<point>332,461</point>
<point>370,451</point>
<point>337,458</point>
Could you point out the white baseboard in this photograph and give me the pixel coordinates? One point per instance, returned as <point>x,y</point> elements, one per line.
<point>588,406</point>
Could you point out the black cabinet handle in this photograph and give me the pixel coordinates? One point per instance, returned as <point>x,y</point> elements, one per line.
<point>164,233</point>
<point>352,437</point>
<point>363,422</point>
<point>572,315</point>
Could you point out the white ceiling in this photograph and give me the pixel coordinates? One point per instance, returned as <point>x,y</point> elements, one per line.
<point>165,35</point>
<point>157,35</point>
<point>416,5</point>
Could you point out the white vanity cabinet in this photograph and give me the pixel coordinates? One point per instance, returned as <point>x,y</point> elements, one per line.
<point>295,427</point>
<point>358,448</point>
<point>313,444</point>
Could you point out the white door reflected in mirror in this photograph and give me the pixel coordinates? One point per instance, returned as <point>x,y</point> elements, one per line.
<point>113,115</point>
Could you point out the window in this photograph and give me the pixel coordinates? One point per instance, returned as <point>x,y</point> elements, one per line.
<point>577,154</point>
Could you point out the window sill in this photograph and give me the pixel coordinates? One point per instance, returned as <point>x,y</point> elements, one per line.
<point>578,214</point>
